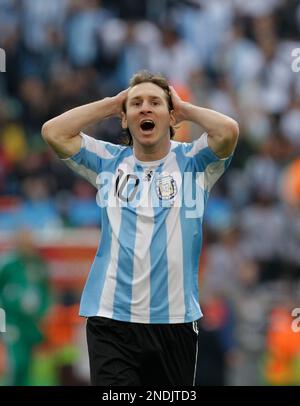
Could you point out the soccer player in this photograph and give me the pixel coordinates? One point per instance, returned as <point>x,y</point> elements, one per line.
<point>141,295</point>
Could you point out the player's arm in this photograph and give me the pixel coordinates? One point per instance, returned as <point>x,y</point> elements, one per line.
<point>62,133</point>
<point>222,130</point>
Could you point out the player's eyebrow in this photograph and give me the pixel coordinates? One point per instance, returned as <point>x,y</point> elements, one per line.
<point>150,97</point>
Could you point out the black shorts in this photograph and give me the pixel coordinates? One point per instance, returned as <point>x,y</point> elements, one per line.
<point>135,354</point>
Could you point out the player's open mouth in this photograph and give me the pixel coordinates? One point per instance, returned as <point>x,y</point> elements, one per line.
<point>147,125</point>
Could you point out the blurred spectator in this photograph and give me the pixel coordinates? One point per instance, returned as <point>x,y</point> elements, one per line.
<point>37,210</point>
<point>215,342</point>
<point>139,41</point>
<point>25,296</point>
<point>82,31</point>
<point>225,261</point>
<point>290,183</point>
<point>173,56</point>
<point>261,226</point>
<point>252,303</point>
<point>290,123</point>
<point>282,364</point>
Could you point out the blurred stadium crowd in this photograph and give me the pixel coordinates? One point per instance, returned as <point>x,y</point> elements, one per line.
<point>229,55</point>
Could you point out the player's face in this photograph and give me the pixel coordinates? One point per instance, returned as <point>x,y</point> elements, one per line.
<point>147,115</point>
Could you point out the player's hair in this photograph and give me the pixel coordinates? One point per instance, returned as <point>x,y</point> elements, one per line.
<point>145,76</point>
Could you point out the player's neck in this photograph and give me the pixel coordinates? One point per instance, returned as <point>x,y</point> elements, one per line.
<point>151,153</point>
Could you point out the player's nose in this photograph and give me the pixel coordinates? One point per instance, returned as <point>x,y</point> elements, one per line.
<point>145,107</point>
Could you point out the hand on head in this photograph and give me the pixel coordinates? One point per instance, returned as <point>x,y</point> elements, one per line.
<point>178,106</point>
<point>120,99</point>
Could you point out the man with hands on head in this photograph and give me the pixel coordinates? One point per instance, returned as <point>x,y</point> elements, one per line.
<point>141,295</point>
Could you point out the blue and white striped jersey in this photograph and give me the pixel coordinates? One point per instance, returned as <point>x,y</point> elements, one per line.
<point>146,266</point>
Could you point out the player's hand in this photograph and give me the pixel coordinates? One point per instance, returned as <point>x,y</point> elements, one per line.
<point>179,106</point>
<point>120,99</point>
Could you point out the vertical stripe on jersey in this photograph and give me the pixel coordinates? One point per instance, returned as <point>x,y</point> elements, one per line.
<point>140,302</point>
<point>106,306</point>
<point>95,282</point>
<point>159,303</point>
<point>174,249</point>
<point>123,291</point>
<point>191,252</point>
<point>107,294</point>
<point>127,234</point>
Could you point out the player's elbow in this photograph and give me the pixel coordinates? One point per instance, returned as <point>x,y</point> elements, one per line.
<point>226,139</point>
<point>231,133</point>
<point>47,131</point>
<point>232,130</point>
<point>52,133</point>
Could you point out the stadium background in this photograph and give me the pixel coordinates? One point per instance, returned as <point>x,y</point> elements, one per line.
<point>229,55</point>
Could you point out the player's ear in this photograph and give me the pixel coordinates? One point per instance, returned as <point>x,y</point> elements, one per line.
<point>124,120</point>
<point>172,118</point>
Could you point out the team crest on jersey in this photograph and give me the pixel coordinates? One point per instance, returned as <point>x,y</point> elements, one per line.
<point>166,187</point>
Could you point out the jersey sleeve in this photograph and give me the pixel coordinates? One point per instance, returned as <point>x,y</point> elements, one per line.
<point>88,161</point>
<point>206,161</point>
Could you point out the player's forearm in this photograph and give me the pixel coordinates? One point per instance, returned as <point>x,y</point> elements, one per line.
<point>212,121</point>
<point>222,130</point>
<point>70,123</point>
